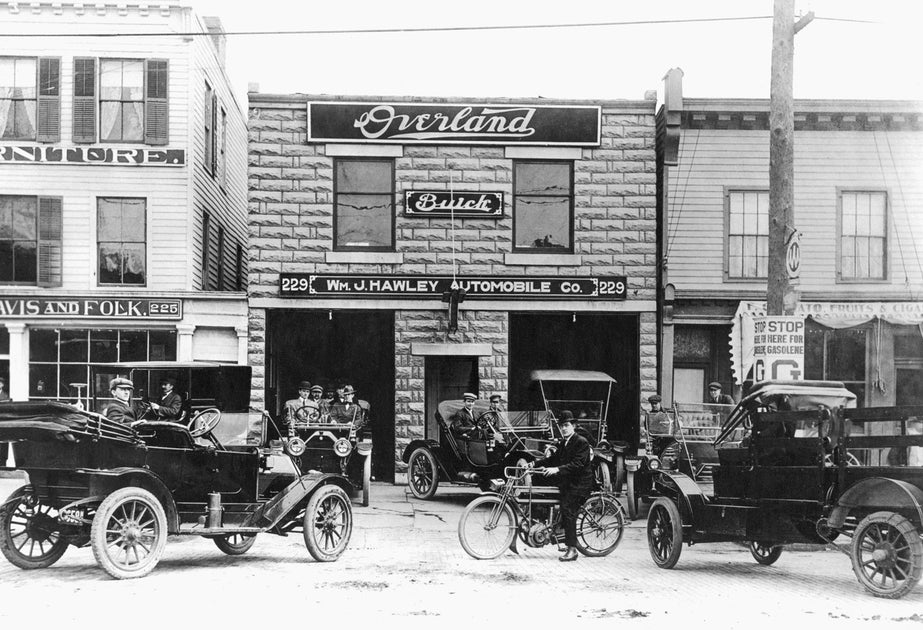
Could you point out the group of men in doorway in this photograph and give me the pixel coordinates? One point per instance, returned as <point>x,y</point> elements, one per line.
<point>317,405</point>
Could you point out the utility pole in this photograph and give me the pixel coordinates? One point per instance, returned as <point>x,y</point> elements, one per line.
<point>781,296</point>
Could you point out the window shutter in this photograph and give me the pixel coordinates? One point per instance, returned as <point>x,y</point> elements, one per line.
<point>213,138</point>
<point>84,100</point>
<point>50,259</point>
<point>49,99</point>
<point>156,106</point>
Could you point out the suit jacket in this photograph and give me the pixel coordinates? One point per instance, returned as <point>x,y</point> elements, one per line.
<point>118,411</point>
<point>575,467</point>
<point>461,422</point>
<point>723,399</point>
<point>171,406</point>
<point>293,405</point>
<point>342,413</point>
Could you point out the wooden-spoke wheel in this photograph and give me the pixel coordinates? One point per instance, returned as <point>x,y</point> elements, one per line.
<point>887,555</point>
<point>129,533</point>
<point>664,533</point>
<point>422,473</point>
<point>328,523</point>
<point>235,544</point>
<point>603,477</point>
<point>765,553</point>
<point>29,538</point>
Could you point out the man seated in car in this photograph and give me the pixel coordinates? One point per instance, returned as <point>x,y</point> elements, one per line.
<point>461,423</point>
<point>121,409</point>
<point>170,404</point>
<point>348,411</point>
<point>300,409</point>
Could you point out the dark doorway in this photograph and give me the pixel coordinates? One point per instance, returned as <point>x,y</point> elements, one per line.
<point>447,378</point>
<point>332,348</point>
<point>605,342</point>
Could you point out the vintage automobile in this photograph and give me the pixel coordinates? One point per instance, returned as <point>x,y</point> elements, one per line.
<point>810,467</point>
<point>682,439</point>
<point>123,489</point>
<point>499,441</point>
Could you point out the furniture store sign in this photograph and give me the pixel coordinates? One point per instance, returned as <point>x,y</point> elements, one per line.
<point>81,307</point>
<point>444,123</point>
<point>304,285</point>
<point>778,348</point>
<point>453,205</point>
<point>91,155</point>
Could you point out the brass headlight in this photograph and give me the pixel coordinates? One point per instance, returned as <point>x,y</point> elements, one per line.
<point>342,447</point>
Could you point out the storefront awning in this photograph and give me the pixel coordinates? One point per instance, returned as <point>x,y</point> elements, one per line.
<point>830,314</point>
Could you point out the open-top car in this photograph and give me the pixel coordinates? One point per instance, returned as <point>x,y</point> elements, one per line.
<point>122,489</point>
<point>808,467</point>
<point>499,440</point>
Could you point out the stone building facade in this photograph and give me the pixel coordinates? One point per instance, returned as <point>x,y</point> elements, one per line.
<point>364,213</point>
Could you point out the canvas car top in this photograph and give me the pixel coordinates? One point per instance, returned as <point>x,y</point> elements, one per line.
<point>570,375</point>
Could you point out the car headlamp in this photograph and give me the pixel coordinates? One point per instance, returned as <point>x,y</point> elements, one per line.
<point>295,446</point>
<point>342,447</point>
<point>654,463</point>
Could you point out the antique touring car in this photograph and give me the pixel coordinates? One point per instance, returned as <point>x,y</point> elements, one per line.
<point>808,468</point>
<point>123,489</point>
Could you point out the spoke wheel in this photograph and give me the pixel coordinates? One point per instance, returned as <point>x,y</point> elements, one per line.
<point>600,526</point>
<point>328,523</point>
<point>664,533</point>
<point>487,527</point>
<point>129,533</point>
<point>30,538</point>
<point>422,473</point>
<point>603,477</point>
<point>764,553</point>
<point>235,544</point>
<point>887,555</point>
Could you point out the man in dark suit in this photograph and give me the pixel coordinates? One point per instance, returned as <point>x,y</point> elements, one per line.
<point>461,423</point>
<point>716,397</point>
<point>121,409</point>
<point>170,404</point>
<point>571,465</point>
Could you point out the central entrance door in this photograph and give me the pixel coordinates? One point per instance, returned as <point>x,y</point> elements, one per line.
<point>447,378</point>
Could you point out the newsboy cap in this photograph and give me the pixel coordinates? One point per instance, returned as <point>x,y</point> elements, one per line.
<point>469,396</point>
<point>121,382</point>
<point>317,388</point>
<point>654,398</point>
<point>304,385</point>
<point>714,385</point>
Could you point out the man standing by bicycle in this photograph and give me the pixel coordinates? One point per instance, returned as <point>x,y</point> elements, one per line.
<point>571,464</point>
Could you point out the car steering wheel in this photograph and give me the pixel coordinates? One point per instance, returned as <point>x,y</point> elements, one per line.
<point>204,422</point>
<point>308,414</point>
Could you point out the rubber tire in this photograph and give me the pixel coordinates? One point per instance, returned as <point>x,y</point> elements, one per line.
<point>367,480</point>
<point>98,532</point>
<point>620,473</point>
<point>602,475</point>
<point>664,514</point>
<point>632,500</point>
<point>320,496</point>
<point>913,557</point>
<point>234,549</point>
<point>8,546</point>
<point>507,541</point>
<point>430,460</point>
<point>595,499</point>
<point>765,559</point>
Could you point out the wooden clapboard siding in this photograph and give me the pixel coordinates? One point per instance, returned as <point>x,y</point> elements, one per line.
<point>711,162</point>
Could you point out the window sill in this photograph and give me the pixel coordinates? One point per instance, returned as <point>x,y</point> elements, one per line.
<point>545,260</point>
<point>365,258</point>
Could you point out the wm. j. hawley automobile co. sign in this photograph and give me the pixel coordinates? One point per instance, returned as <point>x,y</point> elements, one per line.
<point>307,285</point>
<point>444,123</point>
<point>459,205</point>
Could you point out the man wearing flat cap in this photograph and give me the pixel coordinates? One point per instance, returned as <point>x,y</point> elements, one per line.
<point>170,404</point>
<point>715,396</point>
<point>301,409</point>
<point>121,409</point>
<point>461,423</point>
<point>323,406</point>
<point>571,466</point>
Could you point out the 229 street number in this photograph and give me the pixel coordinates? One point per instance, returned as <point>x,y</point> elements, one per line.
<point>612,287</point>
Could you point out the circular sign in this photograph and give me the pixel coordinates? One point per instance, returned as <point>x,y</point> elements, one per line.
<point>793,255</point>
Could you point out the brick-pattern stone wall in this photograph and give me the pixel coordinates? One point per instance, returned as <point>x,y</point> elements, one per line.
<point>291,229</point>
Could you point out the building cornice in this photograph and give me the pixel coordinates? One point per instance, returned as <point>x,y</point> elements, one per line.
<point>257,99</point>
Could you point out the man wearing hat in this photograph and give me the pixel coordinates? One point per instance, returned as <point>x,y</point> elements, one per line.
<point>170,404</point>
<point>498,416</point>
<point>659,427</point>
<point>715,396</point>
<point>461,423</point>
<point>316,395</point>
<point>571,465</point>
<point>121,408</point>
<point>291,413</point>
<point>347,411</point>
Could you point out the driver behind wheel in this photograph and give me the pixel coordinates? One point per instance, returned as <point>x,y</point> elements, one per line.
<point>122,409</point>
<point>462,423</point>
<point>291,414</point>
<point>170,404</point>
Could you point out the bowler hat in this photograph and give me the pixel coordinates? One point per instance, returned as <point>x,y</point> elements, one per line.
<point>469,396</point>
<point>304,385</point>
<point>654,398</point>
<point>348,390</point>
<point>121,382</point>
<point>566,416</point>
<point>714,385</point>
<point>168,379</point>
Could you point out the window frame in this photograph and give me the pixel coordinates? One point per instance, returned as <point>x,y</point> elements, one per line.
<point>147,265</point>
<point>34,99</point>
<point>885,259</point>
<point>728,191</point>
<point>208,116</point>
<point>35,242</point>
<point>391,195</point>
<point>100,100</point>
<point>570,249</point>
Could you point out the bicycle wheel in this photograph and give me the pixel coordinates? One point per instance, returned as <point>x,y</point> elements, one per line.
<point>600,525</point>
<point>487,527</point>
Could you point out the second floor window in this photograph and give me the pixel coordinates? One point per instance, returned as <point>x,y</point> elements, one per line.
<point>543,206</point>
<point>121,100</point>
<point>30,98</point>
<point>30,240</point>
<point>863,235</point>
<point>363,215</point>
<point>121,239</point>
<point>748,234</point>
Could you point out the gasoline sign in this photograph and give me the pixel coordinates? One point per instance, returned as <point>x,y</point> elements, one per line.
<point>778,348</point>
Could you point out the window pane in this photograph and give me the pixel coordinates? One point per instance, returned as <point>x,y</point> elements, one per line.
<point>110,263</point>
<point>42,380</point>
<point>109,220</point>
<point>162,345</point>
<point>132,121</point>
<point>364,220</point>
<point>72,374</point>
<point>537,178</point>
<point>6,261</point>
<point>104,346</point>
<point>7,72</point>
<point>24,218</point>
<point>750,222</point>
<point>877,215</point>
<point>357,176</point>
<point>735,223</point>
<point>876,258</point>
<point>24,119</point>
<point>43,344</point>
<point>542,222</point>
<point>735,257</point>
<point>6,216</point>
<point>25,262</point>
<point>133,345</point>
<point>133,220</point>
<point>110,121</point>
<point>110,80</point>
<point>132,80</point>
<point>24,81</point>
<point>74,346</point>
<point>133,262</point>
<point>846,355</point>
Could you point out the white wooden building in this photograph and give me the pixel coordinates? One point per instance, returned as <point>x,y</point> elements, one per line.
<point>122,193</point>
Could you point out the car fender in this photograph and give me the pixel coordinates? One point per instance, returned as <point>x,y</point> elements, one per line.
<point>681,488</point>
<point>879,493</point>
<point>432,445</point>
<point>105,482</point>
<point>289,501</point>
<point>446,459</point>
